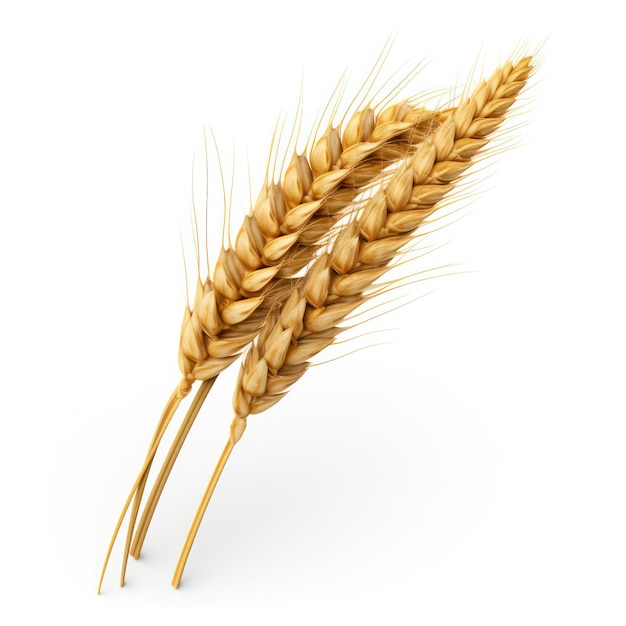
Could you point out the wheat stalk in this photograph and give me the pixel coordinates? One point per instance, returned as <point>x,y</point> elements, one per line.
<point>344,277</point>
<point>278,239</point>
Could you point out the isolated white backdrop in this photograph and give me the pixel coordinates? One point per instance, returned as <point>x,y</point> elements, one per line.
<point>471,471</point>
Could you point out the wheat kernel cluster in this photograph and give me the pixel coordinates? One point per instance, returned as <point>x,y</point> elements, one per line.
<point>309,253</point>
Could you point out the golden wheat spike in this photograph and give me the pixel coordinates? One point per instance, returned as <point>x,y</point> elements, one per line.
<point>282,233</point>
<point>342,278</point>
<point>278,238</point>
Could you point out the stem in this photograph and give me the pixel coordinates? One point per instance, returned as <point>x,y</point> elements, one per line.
<point>168,464</point>
<point>236,431</point>
<point>168,412</point>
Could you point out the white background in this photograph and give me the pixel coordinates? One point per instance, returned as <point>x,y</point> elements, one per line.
<point>469,471</point>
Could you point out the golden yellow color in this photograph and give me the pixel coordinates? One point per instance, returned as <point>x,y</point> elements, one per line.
<point>310,253</point>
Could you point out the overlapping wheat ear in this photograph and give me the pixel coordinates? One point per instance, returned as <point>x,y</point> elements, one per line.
<point>279,238</point>
<point>253,291</point>
<point>343,276</point>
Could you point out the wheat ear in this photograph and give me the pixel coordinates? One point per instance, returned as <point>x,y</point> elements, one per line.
<point>276,240</point>
<point>344,278</point>
<point>289,219</point>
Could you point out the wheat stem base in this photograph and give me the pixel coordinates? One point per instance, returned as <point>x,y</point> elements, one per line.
<point>168,464</point>
<point>236,431</point>
<point>166,416</point>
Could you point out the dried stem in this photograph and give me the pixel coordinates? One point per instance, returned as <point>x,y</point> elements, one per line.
<point>236,431</point>
<point>168,412</point>
<point>168,464</point>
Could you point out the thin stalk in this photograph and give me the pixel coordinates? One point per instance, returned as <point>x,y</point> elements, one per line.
<point>236,431</point>
<point>168,464</point>
<point>166,416</point>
